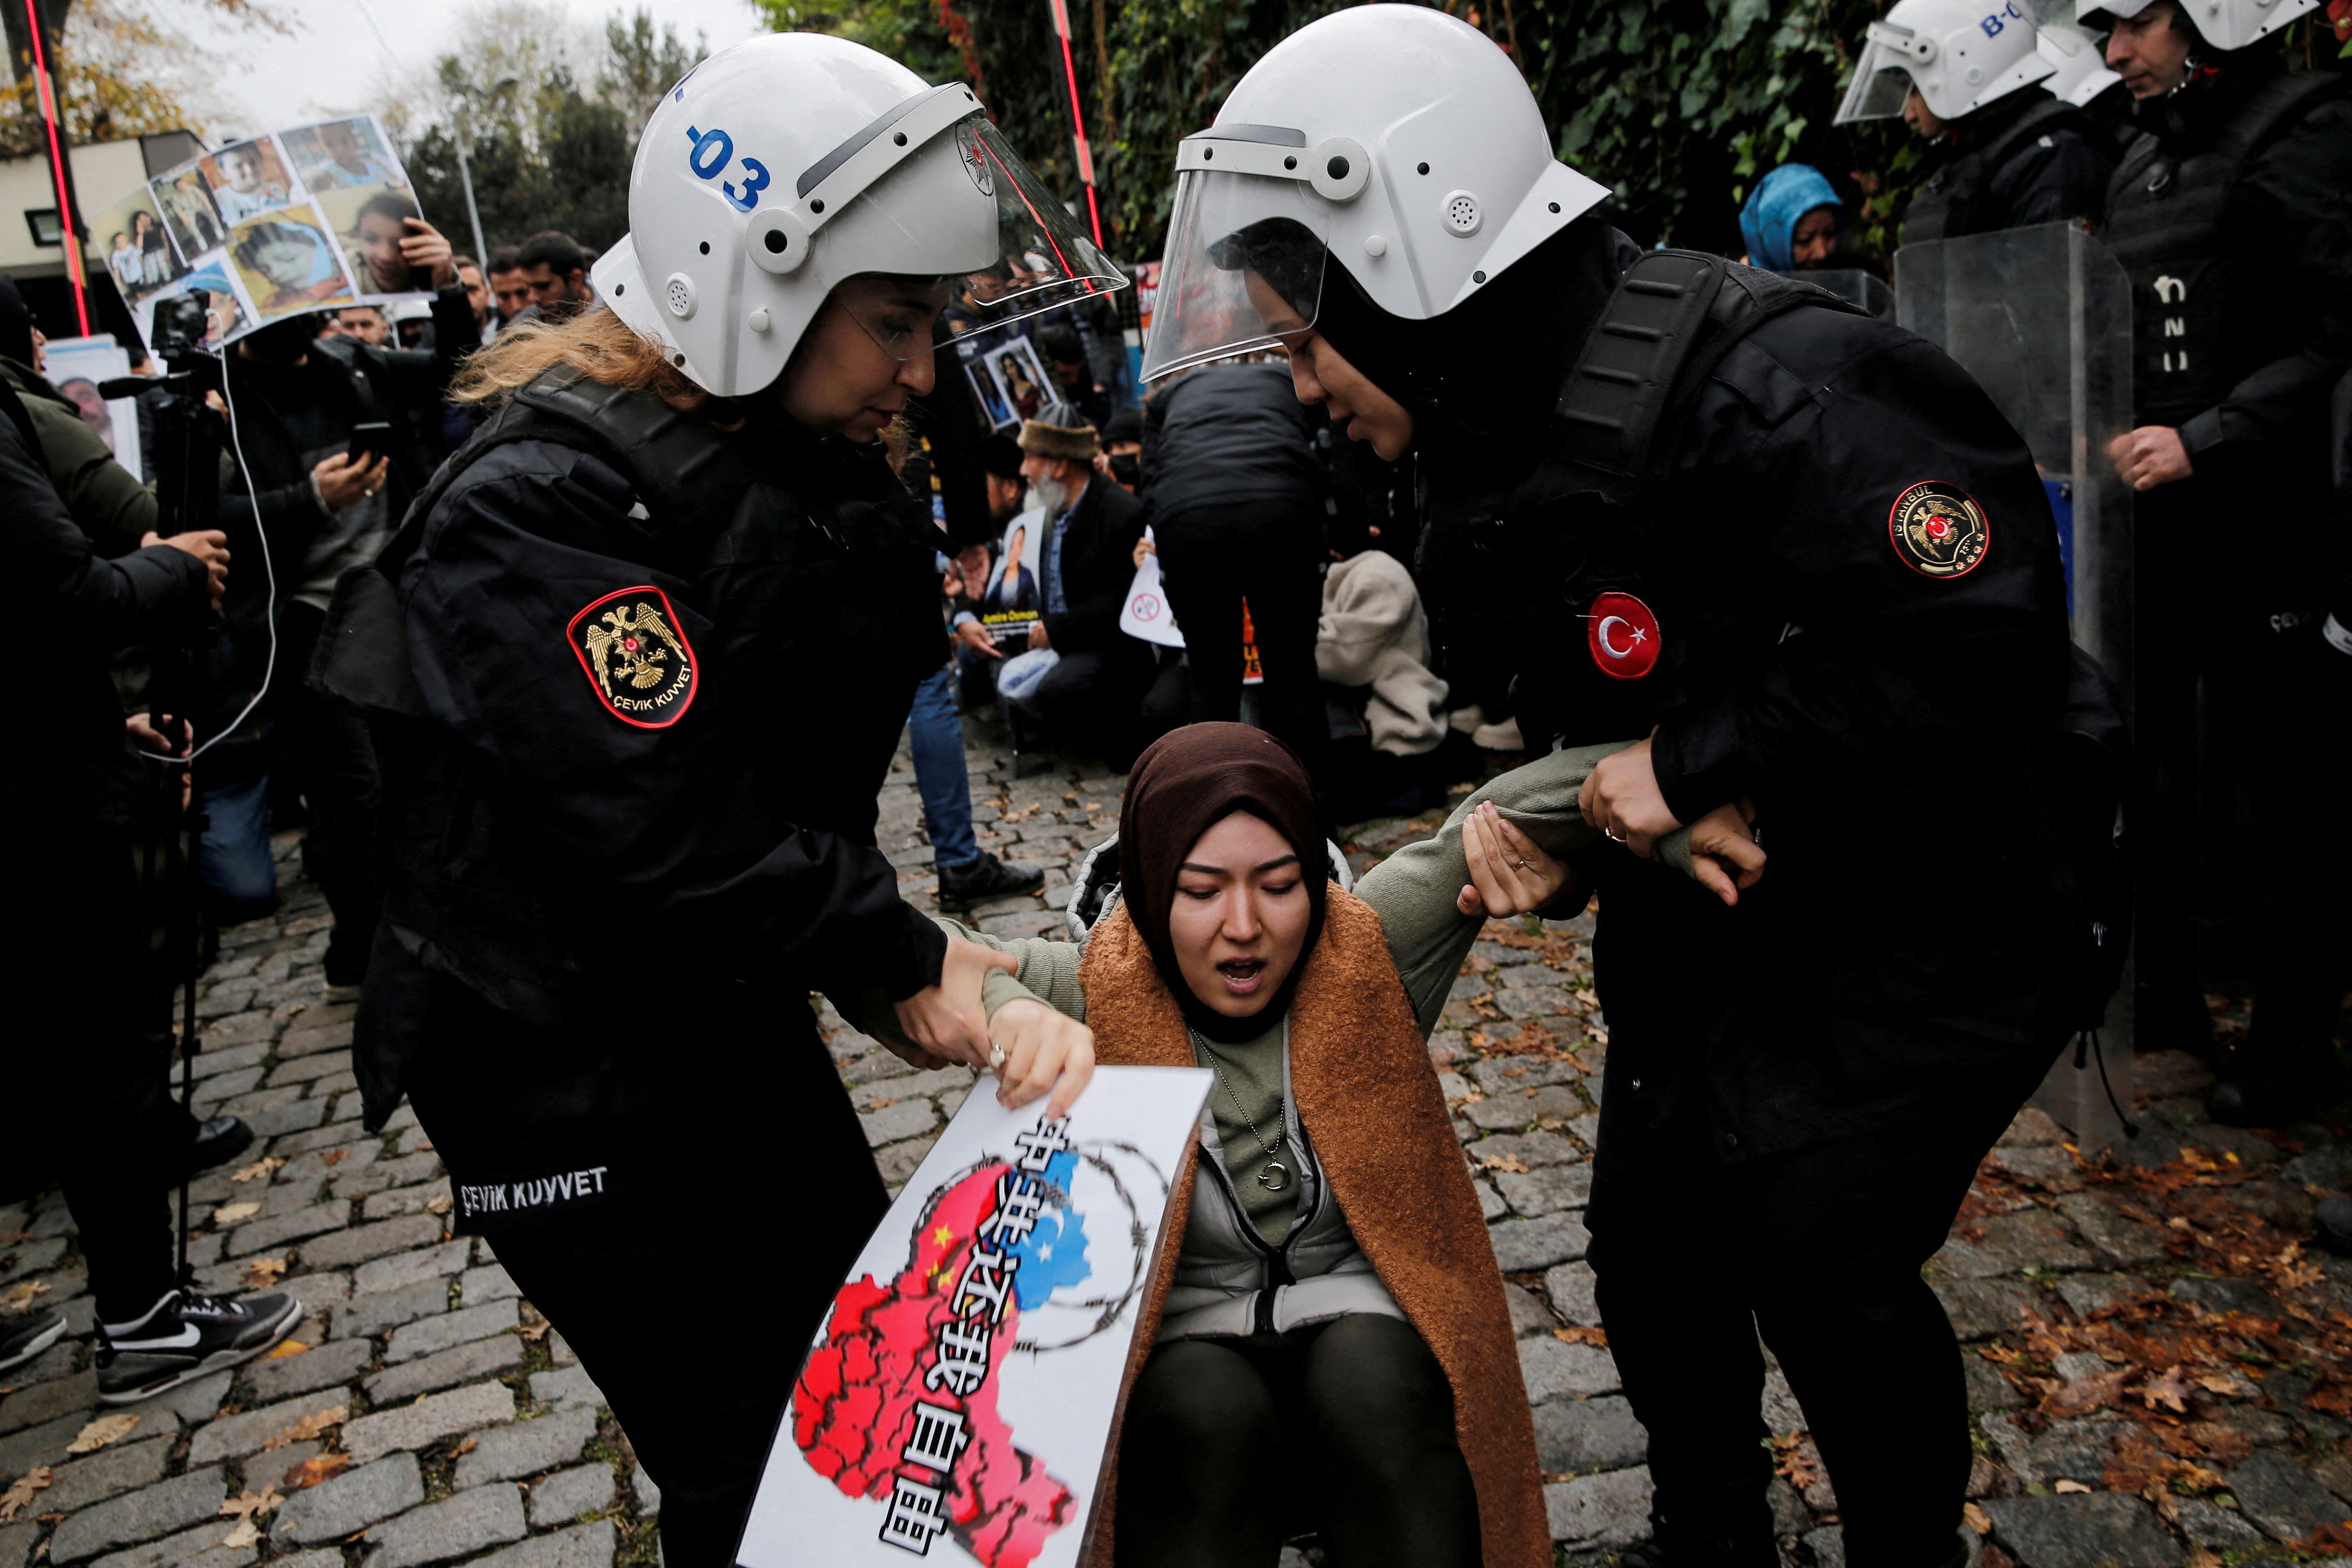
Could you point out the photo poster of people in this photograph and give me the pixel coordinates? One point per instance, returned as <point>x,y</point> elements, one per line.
<point>76,368</point>
<point>1013,603</point>
<point>961,1399</point>
<point>304,219</point>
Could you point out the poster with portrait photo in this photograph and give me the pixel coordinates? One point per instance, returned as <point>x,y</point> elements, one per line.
<point>288,263</point>
<point>190,216</point>
<point>1013,602</point>
<point>369,223</point>
<point>250,178</point>
<point>344,155</point>
<point>76,368</point>
<point>228,314</point>
<point>993,407</point>
<point>128,238</point>
<point>1021,374</point>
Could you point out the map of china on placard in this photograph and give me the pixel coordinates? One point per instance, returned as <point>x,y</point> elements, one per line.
<point>957,1400</point>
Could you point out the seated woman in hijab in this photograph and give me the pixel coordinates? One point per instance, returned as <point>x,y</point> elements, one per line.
<point>1328,1349</point>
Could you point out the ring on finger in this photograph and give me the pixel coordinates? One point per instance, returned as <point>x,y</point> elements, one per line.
<point>1523,864</point>
<point>1614,835</point>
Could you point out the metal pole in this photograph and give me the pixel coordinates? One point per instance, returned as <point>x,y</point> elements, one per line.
<point>466,176</point>
<point>68,220</point>
<point>1077,120</point>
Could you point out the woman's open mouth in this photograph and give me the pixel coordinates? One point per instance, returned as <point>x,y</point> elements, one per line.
<point>1241,976</point>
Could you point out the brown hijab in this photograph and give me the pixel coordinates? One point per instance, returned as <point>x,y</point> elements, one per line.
<point>1186,783</point>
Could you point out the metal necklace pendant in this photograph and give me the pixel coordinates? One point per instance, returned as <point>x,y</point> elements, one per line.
<point>1274,1177</point>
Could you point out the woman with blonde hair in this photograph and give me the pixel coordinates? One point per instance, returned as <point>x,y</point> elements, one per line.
<point>636,664</point>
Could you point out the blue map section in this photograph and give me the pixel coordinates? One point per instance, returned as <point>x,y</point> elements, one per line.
<point>1054,1254</point>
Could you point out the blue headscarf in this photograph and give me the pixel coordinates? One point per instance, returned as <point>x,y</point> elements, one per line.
<point>1768,222</point>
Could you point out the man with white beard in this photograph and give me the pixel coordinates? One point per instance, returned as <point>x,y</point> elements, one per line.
<point>1094,691</point>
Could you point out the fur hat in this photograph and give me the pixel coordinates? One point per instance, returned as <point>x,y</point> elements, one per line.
<point>1060,431</point>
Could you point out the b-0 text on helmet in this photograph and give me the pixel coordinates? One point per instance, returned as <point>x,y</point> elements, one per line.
<point>1960,54</point>
<point>1400,140</point>
<point>786,163</point>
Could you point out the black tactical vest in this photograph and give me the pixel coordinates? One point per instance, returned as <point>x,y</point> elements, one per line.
<point>819,586</point>
<point>1577,529</point>
<point>2192,293</point>
<point>1956,200</point>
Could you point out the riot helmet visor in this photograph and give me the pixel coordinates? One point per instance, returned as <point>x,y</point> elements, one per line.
<point>1029,257</point>
<point>1242,271</point>
<point>1882,76</point>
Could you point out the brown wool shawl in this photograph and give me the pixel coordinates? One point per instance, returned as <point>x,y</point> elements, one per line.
<point>1361,1074</point>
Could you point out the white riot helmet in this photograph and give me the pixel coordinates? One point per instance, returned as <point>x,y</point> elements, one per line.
<point>1960,54</point>
<point>786,163</point>
<point>2079,70</point>
<point>1395,141</point>
<point>2224,24</point>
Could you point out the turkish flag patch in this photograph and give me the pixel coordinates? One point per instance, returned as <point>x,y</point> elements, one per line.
<point>1623,633</point>
<point>632,648</point>
<point>1938,530</point>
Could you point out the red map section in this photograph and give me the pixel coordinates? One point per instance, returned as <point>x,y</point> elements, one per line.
<point>854,1410</point>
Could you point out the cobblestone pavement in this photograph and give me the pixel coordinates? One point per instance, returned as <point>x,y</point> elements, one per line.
<point>2159,1376</point>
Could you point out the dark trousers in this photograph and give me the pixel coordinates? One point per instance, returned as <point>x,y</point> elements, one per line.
<point>2301,695</point>
<point>752,1113</point>
<point>1345,1429</point>
<point>332,755</point>
<point>1269,552</point>
<point>91,1083</point>
<point>1093,701</point>
<point>1819,1249</point>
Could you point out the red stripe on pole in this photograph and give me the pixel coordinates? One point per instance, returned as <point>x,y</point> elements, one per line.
<point>58,167</point>
<point>1077,117</point>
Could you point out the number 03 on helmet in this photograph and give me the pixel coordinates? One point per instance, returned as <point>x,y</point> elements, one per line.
<point>783,165</point>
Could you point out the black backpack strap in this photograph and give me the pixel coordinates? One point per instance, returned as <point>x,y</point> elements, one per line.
<point>1675,315</point>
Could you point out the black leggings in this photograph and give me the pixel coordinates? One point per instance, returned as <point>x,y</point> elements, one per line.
<point>1232,1446</point>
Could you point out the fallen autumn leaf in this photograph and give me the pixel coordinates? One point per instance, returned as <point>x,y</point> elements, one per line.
<point>13,1500</point>
<point>99,1433</point>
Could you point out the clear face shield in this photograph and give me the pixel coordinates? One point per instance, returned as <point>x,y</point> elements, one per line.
<point>1243,269</point>
<point>1882,78</point>
<point>1003,246</point>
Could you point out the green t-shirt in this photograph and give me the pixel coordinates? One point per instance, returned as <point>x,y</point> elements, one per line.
<point>1249,1090</point>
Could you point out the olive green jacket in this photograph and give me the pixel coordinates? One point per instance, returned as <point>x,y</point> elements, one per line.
<point>106,502</point>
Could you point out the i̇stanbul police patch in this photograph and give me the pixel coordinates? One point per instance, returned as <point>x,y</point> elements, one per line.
<point>1938,530</point>
<point>633,650</point>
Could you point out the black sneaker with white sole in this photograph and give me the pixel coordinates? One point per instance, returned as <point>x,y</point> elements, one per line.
<point>185,1337</point>
<point>22,1338</point>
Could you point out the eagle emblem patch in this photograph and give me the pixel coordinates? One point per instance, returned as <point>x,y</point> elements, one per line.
<point>635,657</point>
<point>1938,530</point>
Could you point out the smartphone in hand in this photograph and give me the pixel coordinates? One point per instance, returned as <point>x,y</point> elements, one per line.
<point>369,439</point>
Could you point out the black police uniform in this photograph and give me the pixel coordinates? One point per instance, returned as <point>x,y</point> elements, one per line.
<point>636,681</point>
<point>2228,213</point>
<point>1837,592</point>
<point>2020,160</point>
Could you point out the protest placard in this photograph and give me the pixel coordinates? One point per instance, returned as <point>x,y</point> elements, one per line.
<point>304,219</point>
<point>960,1401</point>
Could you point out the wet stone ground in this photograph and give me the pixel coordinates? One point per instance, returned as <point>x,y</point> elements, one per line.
<point>2160,1373</point>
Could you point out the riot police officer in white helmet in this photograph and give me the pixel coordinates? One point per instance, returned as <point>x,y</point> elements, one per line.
<point>2228,212</point>
<point>1798,558</point>
<point>636,665</point>
<point>1965,74</point>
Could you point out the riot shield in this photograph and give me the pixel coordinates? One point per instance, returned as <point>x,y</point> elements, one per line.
<point>1866,289</point>
<point>2042,318</point>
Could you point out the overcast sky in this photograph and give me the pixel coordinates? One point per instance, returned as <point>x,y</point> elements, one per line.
<point>334,60</point>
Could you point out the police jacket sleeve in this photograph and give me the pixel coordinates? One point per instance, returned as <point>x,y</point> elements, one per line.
<point>102,602</point>
<point>1900,589</point>
<point>646,795</point>
<point>2289,210</point>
